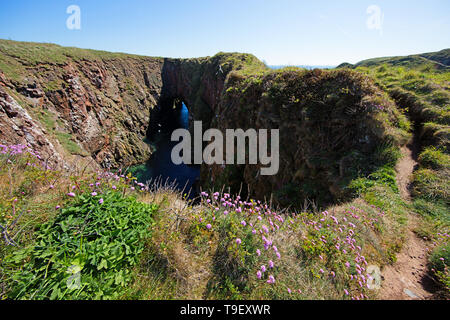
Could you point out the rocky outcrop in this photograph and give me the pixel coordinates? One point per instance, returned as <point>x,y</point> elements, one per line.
<point>100,105</point>
<point>95,107</point>
<point>17,127</point>
<point>333,125</point>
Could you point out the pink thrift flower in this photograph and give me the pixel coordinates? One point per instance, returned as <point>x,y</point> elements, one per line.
<point>258,274</point>
<point>100,201</point>
<point>208,226</point>
<point>238,241</point>
<point>71,194</point>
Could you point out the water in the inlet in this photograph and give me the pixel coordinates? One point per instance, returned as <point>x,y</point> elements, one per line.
<point>160,164</point>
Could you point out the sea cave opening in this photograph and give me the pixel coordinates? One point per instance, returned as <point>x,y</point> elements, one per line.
<point>167,116</point>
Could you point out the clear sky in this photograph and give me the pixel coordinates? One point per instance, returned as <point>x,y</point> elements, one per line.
<point>295,32</point>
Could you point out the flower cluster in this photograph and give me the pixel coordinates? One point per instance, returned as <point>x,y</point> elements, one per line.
<point>331,240</point>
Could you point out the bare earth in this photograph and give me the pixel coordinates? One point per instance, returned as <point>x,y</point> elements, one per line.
<point>407,278</point>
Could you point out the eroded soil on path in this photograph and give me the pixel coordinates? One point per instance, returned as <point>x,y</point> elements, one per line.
<point>407,278</point>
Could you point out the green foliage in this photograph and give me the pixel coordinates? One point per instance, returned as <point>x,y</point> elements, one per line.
<point>47,119</point>
<point>234,262</point>
<point>52,85</point>
<point>66,140</point>
<point>388,155</point>
<point>98,241</point>
<point>386,176</point>
<point>383,176</point>
<point>439,263</point>
<point>440,257</point>
<point>431,185</point>
<point>360,185</point>
<point>433,209</point>
<point>434,158</point>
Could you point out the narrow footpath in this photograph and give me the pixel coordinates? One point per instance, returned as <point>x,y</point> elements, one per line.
<point>407,278</point>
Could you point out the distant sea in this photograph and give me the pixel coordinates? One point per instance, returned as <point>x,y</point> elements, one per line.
<point>303,66</point>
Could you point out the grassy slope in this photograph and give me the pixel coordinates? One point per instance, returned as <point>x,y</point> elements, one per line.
<point>187,251</point>
<point>420,85</point>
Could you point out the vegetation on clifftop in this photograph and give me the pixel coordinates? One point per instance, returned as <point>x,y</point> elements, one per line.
<point>98,235</point>
<point>316,112</point>
<point>420,86</point>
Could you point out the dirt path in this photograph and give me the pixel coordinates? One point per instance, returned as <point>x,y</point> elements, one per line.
<point>407,278</point>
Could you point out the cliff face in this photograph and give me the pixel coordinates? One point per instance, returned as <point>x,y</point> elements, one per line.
<point>98,104</point>
<point>333,126</point>
<point>68,103</point>
<point>92,107</point>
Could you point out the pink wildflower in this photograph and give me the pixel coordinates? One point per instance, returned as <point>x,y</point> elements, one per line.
<point>271,279</point>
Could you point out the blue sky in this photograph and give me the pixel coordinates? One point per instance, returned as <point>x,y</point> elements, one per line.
<point>277,31</point>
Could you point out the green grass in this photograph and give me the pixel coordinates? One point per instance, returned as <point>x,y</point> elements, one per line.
<point>15,56</point>
<point>67,142</point>
<point>434,158</point>
<point>155,245</point>
<point>420,85</point>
